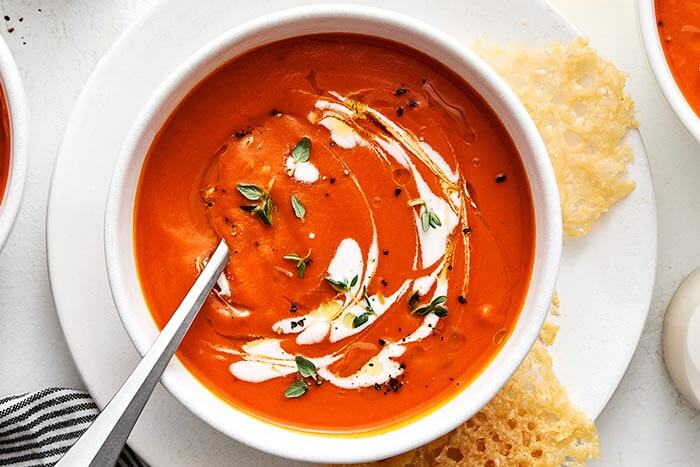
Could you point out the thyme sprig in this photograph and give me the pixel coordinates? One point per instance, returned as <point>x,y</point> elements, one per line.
<point>343,286</point>
<point>428,218</point>
<point>264,207</point>
<point>435,306</point>
<point>364,317</point>
<point>368,304</point>
<point>305,369</point>
<point>301,262</point>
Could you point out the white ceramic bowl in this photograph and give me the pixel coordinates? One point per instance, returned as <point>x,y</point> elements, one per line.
<point>19,138</point>
<point>660,69</point>
<point>311,20</point>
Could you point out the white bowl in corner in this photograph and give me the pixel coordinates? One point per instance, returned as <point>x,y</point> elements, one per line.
<point>297,444</point>
<point>659,66</point>
<point>19,139</point>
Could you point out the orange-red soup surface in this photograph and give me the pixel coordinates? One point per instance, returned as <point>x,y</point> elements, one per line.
<point>413,221</point>
<point>679,31</point>
<point>4,145</point>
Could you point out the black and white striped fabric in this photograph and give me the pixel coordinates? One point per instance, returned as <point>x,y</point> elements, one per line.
<point>38,427</point>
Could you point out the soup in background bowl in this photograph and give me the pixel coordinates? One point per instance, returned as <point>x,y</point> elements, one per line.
<point>13,141</point>
<point>393,222</point>
<point>5,141</point>
<point>670,32</point>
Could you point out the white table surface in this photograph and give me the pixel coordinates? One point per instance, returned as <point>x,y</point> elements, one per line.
<point>647,423</point>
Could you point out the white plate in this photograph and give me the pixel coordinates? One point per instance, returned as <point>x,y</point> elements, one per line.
<point>605,282</point>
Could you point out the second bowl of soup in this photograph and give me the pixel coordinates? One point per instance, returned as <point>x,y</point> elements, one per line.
<point>393,222</point>
<point>13,141</point>
<point>670,32</point>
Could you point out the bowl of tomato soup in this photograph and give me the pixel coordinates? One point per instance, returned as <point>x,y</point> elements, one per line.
<point>670,32</point>
<point>13,141</point>
<point>393,221</point>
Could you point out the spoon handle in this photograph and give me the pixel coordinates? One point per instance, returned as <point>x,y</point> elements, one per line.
<point>101,444</point>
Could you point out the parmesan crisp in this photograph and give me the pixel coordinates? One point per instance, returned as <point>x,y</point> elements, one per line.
<point>578,101</point>
<point>549,333</point>
<point>531,422</point>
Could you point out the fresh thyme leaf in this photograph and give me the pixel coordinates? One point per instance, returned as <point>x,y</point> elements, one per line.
<point>438,300</point>
<point>299,209</point>
<point>360,320</point>
<point>421,310</point>
<point>413,299</point>
<point>340,286</point>
<point>250,191</point>
<point>296,389</point>
<point>425,219</point>
<point>302,151</point>
<point>264,210</point>
<point>434,220</point>
<point>301,262</point>
<point>369,304</point>
<point>306,368</point>
<point>428,218</point>
<point>435,306</point>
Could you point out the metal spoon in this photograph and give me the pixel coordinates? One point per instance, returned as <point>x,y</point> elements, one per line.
<point>101,444</point>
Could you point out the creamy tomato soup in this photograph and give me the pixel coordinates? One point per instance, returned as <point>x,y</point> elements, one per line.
<point>4,145</point>
<point>679,31</point>
<point>380,224</point>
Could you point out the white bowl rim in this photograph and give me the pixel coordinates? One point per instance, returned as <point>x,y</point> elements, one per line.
<point>19,139</point>
<point>295,444</point>
<point>662,72</point>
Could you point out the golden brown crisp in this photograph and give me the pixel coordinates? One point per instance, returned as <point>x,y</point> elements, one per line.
<point>531,422</point>
<point>578,101</point>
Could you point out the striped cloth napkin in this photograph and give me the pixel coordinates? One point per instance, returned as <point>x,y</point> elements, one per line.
<point>38,427</point>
